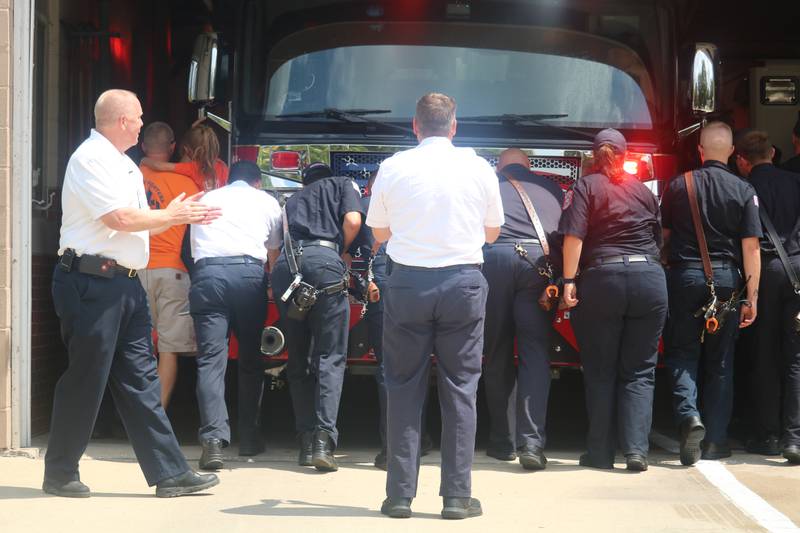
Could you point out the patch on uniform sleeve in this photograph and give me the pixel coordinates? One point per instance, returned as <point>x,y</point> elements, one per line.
<point>755,200</point>
<point>356,187</point>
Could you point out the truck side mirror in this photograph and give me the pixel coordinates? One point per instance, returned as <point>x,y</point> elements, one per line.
<point>203,69</point>
<point>705,78</point>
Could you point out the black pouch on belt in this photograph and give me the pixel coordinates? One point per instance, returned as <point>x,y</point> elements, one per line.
<point>303,298</point>
<point>96,265</point>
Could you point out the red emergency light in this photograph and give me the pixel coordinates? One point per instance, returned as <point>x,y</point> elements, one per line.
<point>285,160</point>
<point>245,153</point>
<point>639,165</point>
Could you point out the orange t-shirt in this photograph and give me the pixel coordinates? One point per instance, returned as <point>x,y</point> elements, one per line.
<point>192,169</point>
<point>161,189</point>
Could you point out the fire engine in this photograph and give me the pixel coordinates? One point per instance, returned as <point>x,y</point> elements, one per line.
<point>337,81</point>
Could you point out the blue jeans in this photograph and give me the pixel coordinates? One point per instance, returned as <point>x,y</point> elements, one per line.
<point>683,349</point>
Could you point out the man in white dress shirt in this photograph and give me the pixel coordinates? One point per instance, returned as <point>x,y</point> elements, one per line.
<point>436,204</point>
<point>229,292</point>
<point>102,306</point>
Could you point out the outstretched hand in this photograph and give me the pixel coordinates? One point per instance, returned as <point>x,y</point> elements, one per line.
<point>183,210</point>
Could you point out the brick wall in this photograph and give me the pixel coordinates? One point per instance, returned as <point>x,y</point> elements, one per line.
<point>5,224</point>
<point>48,354</point>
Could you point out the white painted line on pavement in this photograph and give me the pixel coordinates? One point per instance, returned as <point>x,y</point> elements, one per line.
<point>745,499</point>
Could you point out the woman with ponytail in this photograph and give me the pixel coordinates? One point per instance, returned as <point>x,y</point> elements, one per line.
<point>612,234</point>
<point>200,159</point>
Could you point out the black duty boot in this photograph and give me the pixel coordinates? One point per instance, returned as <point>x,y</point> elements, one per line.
<point>532,458</point>
<point>460,508</point>
<point>69,489</point>
<point>322,454</point>
<point>636,462</point>
<point>501,455</point>
<point>251,446</point>
<point>766,446</point>
<point>791,452</point>
<point>591,461</point>
<point>306,449</point>
<point>692,433</point>
<point>186,483</point>
<point>381,460</point>
<point>716,450</point>
<point>211,458</point>
<point>396,507</point>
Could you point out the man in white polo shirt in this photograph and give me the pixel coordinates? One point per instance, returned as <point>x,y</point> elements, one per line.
<point>436,205</point>
<point>102,307</point>
<point>229,292</point>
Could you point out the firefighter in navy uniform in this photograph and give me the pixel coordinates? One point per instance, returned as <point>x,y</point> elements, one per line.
<point>611,229</point>
<point>374,258</point>
<point>728,209</point>
<point>516,281</point>
<point>777,358</point>
<point>323,219</point>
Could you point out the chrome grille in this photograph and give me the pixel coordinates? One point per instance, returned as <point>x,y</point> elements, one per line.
<point>359,166</point>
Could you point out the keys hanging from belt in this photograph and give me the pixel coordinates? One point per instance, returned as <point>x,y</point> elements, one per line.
<point>715,312</point>
<point>551,292</point>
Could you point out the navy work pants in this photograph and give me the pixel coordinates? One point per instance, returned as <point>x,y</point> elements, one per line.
<point>512,311</point>
<point>226,298</point>
<point>777,359</point>
<point>683,348</point>
<point>317,345</point>
<point>374,318</point>
<point>432,311</point>
<point>618,321</point>
<point>106,327</point>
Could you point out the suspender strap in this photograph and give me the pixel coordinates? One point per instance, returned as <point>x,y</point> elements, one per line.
<point>288,247</point>
<point>702,245</point>
<point>537,224</point>
<point>773,236</point>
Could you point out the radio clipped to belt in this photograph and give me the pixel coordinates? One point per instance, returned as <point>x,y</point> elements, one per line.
<point>715,311</point>
<point>301,295</point>
<point>549,297</point>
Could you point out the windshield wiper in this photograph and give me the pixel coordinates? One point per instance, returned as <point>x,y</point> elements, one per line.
<point>352,116</point>
<point>510,119</point>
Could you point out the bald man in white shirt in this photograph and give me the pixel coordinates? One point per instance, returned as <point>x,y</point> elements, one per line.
<point>436,205</point>
<point>102,306</point>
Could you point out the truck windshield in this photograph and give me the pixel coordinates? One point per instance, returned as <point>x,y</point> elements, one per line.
<point>597,77</point>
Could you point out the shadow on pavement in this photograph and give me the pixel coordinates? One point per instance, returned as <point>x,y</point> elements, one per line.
<point>309,509</point>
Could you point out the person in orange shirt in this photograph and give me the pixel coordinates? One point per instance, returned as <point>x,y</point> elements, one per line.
<point>200,159</point>
<point>166,279</point>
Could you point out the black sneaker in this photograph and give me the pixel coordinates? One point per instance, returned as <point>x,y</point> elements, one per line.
<point>211,458</point>
<point>460,508</point>
<point>69,489</point>
<point>396,507</point>
<point>186,483</point>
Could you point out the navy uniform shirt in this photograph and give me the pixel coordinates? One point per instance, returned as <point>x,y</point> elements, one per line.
<point>728,207</point>
<point>792,165</point>
<point>612,218</point>
<point>362,244</point>
<point>779,195</point>
<point>318,209</point>
<point>546,197</point>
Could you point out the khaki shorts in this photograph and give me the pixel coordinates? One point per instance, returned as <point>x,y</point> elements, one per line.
<point>168,296</point>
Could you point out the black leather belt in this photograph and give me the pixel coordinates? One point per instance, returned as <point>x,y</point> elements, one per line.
<point>717,263</point>
<point>619,259</point>
<point>230,260</point>
<point>436,269</point>
<point>512,242</point>
<point>318,242</point>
